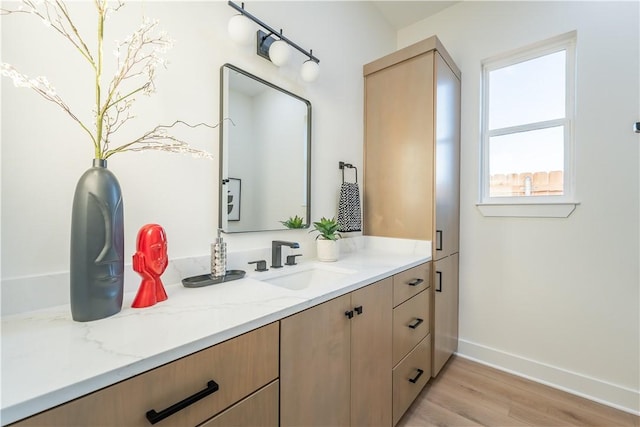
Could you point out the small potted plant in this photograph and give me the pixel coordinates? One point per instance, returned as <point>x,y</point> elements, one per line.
<point>327,240</point>
<point>294,222</point>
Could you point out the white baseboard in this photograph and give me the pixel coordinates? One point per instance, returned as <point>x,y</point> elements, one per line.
<point>609,394</point>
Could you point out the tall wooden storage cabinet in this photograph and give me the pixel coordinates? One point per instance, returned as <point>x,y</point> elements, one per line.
<point>411,167</point>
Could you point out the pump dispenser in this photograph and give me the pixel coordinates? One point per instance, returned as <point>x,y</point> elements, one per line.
<point>219,256</point>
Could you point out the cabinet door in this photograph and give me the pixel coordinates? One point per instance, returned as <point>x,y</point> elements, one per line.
<point>447,185</point>
<point>445,338</point>
<point>315,358</point>
<point>371,382</point>
<point>399,150</point>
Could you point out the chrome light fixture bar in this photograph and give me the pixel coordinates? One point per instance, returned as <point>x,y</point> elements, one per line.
<point>276,50</point>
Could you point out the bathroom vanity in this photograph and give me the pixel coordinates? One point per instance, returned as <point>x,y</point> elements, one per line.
<point>248,352</point>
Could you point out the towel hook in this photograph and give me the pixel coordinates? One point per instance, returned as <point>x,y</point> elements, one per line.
<point>342,165</point>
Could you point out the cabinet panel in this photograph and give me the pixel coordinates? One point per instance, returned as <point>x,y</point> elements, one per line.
<point>447,164</point>
<point>410,377</point>
<point>410,324</point>
<point>445,337</point>
<point>371,355</point>
<point>411,282</point>
<point>239,367</point>
<point>258,410</point>
<point>399,113</point>
<point>315,365</point>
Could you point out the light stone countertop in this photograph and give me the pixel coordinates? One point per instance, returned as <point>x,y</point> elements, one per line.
<point>48,359</point>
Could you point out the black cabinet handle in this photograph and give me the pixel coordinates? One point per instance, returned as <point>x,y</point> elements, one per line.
<point>415,282</point>
<point>415,325</point>
<point>438,241</point>
<point>439,287</point>
<point>349,314</point>
<point>415,379</point>
<point>155,417</point>
<point>358,309</point>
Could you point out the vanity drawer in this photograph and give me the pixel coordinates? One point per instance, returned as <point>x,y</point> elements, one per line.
<point>410,324</point>
<point>410,377</point>
<point>410,282</point>
<point>258,410</point>
<point>238,367</point>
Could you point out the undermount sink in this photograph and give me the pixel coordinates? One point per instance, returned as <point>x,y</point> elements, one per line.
<point>308,277</point>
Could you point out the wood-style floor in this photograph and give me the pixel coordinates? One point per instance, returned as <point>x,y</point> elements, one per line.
<point>466,393</point>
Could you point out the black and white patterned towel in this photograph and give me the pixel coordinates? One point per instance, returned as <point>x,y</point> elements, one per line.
<point>349,216</point>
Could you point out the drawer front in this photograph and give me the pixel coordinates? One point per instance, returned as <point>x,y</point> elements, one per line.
<point>408,380</point>
<point>410,282</point>
<point>410,324</point>
<point>238,366</point>
<point>258,410</point>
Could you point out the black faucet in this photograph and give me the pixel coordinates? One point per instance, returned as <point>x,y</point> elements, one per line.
<point>276,251</point>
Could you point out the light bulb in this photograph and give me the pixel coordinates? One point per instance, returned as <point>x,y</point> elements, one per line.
<point>279,52</point>
<point>240,29</point>
<point>310,70</point>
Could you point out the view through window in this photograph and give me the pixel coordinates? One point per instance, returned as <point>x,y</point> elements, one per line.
<point>528,102</point>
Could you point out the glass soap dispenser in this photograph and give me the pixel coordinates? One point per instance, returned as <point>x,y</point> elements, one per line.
<point>219,256</point>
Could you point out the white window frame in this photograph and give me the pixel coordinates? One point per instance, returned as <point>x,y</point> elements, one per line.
<point>531,206</point>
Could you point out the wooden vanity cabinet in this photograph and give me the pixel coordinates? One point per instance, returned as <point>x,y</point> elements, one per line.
<point>411,336</point>
<point>412,163</point>
<point>335,361</point>
<point>237,368</point>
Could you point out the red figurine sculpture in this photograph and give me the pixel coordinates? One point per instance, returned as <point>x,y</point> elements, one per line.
<point>150,261</point>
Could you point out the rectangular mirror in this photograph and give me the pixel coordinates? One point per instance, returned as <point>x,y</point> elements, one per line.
<point>265,154</point>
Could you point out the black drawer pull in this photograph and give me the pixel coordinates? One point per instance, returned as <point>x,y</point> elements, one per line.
<point>418,322</point>
<point>415,379</point>
<point>439,288</point>
<point>349,314</point>
<point>416,282</point>
<point>358,310</point>
<point>155,417</point>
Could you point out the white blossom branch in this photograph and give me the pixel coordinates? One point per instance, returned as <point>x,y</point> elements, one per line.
<point>42,87</point>
<point>159,138</point>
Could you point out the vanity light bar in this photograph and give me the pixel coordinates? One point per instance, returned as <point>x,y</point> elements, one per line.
<point>272,31</point>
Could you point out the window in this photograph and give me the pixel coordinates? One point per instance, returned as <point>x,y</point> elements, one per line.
<point>527,138</point>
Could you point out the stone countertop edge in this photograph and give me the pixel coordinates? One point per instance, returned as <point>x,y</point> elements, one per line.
<point>36,396</point>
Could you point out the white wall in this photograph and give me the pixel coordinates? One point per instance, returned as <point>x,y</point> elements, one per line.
<point>555,299</point>
<point>44,152</point>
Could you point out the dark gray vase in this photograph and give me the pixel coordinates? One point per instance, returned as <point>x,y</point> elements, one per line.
<point>97,245</point>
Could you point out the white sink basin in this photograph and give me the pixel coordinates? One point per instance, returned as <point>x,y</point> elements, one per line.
<point>309,277</point>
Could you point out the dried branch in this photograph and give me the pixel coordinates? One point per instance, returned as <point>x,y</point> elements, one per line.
<point>138,57</point>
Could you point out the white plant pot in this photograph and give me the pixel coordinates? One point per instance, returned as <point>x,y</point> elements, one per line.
<point>328,250</point>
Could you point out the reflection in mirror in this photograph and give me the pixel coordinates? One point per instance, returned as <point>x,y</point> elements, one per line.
<point>265,146</point>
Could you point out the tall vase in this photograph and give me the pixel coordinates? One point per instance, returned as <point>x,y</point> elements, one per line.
<point>97,245</point>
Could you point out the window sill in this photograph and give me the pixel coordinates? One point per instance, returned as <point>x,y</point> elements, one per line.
<point>533,210</point>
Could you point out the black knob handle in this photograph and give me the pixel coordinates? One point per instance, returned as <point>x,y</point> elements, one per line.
<point>415,379</point>
<point>416,324</point>
<point>261,265</point>
<point>415,282</point>
<point>291,259</point>
<point>155,417</point>
<point>358,309</point>
<point>349,314</point>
